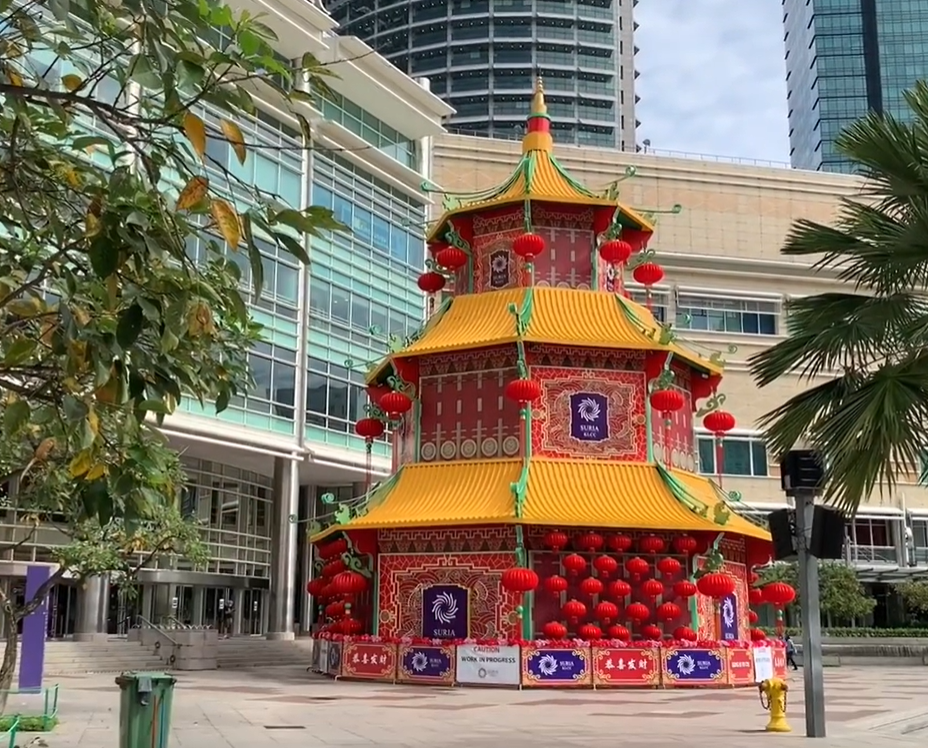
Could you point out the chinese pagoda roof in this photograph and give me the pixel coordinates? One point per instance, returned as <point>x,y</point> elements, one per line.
<point>538,177</point>
<point>557,316</point>
<point>559,492</point>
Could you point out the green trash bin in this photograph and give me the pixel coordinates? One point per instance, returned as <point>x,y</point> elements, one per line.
<point>145,709</point>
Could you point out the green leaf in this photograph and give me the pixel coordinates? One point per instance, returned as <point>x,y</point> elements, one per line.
<point>222,401</point>
<point>104,259</point>
<point>19,351</point>
<point>15,417</point>
<point>131,322</point>
<point>142,72</point>
<point>74,410</point>
<point>254,256</point>
<point>153,406</point>
<point>294,247</point>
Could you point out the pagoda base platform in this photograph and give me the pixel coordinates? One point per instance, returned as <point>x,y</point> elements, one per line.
<point>542,664</point>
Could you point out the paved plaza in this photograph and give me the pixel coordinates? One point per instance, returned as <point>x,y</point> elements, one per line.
<point>290,707</point>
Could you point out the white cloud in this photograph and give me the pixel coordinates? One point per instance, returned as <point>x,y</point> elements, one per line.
<point>713,77</point>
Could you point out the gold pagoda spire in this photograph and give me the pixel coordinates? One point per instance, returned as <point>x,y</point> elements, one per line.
<point>538,128</point>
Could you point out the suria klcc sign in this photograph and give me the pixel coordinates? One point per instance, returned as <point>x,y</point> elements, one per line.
<point>445,612</point>
<point>589,417</point>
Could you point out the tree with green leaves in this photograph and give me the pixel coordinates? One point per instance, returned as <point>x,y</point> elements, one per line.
<point>120,247</point>
<point>841,595</point>
<point>914,593</point>
<point>865,344</point>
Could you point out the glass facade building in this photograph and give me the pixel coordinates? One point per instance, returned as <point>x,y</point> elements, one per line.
<point>482,56</point>
<point>843,59</point>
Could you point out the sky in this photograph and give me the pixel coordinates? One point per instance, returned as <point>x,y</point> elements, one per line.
<point>713,77</point>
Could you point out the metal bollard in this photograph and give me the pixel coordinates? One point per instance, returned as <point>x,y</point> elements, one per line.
<point>773,699</point>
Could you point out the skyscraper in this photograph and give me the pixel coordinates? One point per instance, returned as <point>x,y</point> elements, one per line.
<point>482,58</point>
<point>843,59</point>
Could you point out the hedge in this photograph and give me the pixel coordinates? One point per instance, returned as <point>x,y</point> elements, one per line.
<point>862,633</point>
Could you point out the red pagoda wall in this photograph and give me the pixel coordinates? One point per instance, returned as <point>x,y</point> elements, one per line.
<point>473,557</point>
<point>404,441</point>
<point>463,412</point>
<point>675,444</point>
<point>616,382</point>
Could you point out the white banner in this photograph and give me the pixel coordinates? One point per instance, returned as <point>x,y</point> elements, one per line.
<point>491,665</point>
<point>763,663</point>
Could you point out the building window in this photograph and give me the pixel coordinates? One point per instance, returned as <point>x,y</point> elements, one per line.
<point>872,532</point>
<point>660,302</point>
<point>729,315</point>
<point>741,456</point>
<point>335,396</point>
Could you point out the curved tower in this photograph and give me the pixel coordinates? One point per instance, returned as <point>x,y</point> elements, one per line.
<point>482,57</point>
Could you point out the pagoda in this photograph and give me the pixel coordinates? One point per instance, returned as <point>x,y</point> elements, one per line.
<point>545,481</point>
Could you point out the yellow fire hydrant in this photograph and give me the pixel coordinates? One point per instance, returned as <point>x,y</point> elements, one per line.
<point>773,699</point>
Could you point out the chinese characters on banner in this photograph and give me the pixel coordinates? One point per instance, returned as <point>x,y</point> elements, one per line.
<point>779,662</point>
<point>740,667</point>
<point>369,660</point>
<point>589,417</point>
<point>632,666</point>
<point>445,612</point>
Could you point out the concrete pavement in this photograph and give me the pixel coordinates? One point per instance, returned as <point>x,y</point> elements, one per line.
<point>287,706</point>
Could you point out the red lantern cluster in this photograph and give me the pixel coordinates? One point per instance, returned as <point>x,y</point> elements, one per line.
<point>394,404</point>
<point>652,588</point>
<point>684,634</point>
<point>555,540</point>
<point>519,579</point>
<point>574,563</point>
<point>752,616</point>
<point>651,544</point>
<point>619,543</point>
<point>669,566</point>
<point>615,251</point>
<point>431,282</point>
<point>637,567</point>
<point>637,612</point>
<point>668,611</point>
<point>573,610</point>
<point>528,246</point>
<point>369,428</point>
<point>523,390</point>
<point>755,596</point>
<point>606,611</point>
<point>620,589</point>
<point>605,565</point>
<point>685,544</point>
<point>451,258</point>
<point>591,586</point>
<point>330,550</point>
<point>556,584</point>
<point>716,585</point>
<point>684,588</point>
<point>589,541</point>
<point>757,635</point>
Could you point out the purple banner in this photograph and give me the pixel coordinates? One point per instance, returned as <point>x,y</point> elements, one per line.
<point>589,417</point>
<point>499,269</point>
<point>728,615</point>
<point>35,625</point>
<point>445,612</point>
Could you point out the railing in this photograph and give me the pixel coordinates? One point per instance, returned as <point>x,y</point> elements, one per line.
<point>864,554</point>
<point>143,622</point>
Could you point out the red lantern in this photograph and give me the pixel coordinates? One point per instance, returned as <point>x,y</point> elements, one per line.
<point>757,635</point>
<point>650,544</point>
<point>351,626</point>
<point>619,543</point>
<point>619,632</point>
<point>369,428</point>
<point>590,632</point>
<point>667,401</point>
<point>755,596</point>
<point>528,246</point>
<point>605,611</point>
<point>332,568</point>
<point>589,541</point>
<point>684,588</point>
<point>605,565</point>
<point>518,579</point>
<point>668,612</point>
<point>573,610</point>
<point>556,584</point>
<point>335,610</point>
<point>716,585</point>
<point>652,633</point>
<point>523,390</point>
<point>668,566</point>
<point>637,566</point>
<point>752,616</point>
<point>648,273</point>
<point>349,583</point>
<point>615,251</point>
<point>574,564</point>
<point>779,594</point>
<point>719,422</point>
<point>335,548</point>
<point>637,612</point>
<point>314,586</point>
<point>555,630</point>
<point>684,634</point>
<point>395,403</point>
<point>591,586</point>
<point>620,589</point>
<point>652,588</point>
<point>555,540</point>
<point>431,282</point>
<point>451,258</point>
<point>685,545</point>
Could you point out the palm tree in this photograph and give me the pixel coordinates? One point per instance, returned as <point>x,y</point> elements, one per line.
<point>866,347</point>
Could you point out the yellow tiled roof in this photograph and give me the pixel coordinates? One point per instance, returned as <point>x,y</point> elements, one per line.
<point>568,493</point>
<point>563,316</point>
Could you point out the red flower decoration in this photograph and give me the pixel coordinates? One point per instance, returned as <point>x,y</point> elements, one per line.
<point>591,586</point>
<point>605,565</point>
<point>574,563</point>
